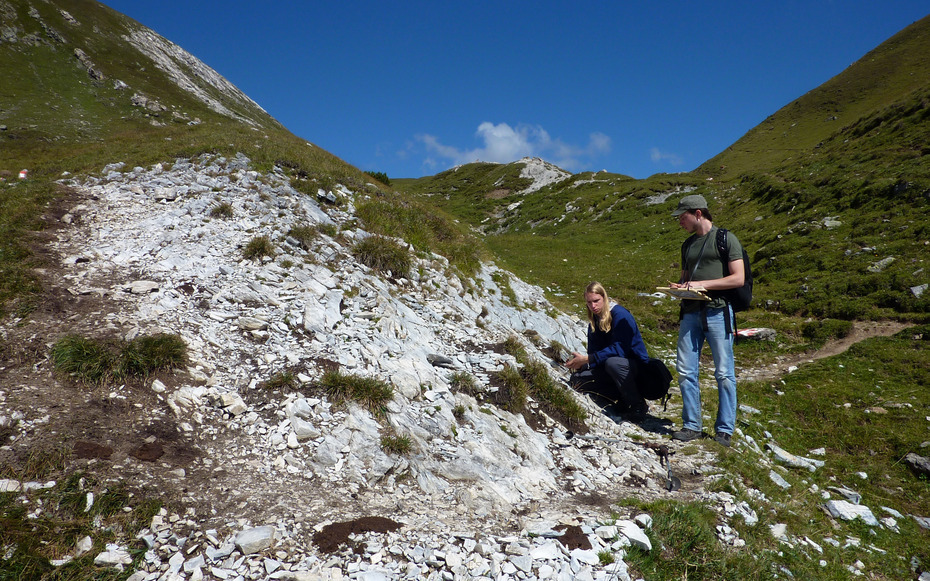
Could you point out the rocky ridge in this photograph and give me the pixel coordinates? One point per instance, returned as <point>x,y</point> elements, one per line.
<point>259,476</point>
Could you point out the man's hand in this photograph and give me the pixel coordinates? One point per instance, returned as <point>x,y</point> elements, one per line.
<point>687,285</point>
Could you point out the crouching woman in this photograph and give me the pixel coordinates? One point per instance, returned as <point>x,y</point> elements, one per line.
<point>615,351</point>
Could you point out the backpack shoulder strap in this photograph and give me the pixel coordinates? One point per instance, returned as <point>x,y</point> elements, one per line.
<point>723,249</point>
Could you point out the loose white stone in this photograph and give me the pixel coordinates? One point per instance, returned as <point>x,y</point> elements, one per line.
<point>255,539</point>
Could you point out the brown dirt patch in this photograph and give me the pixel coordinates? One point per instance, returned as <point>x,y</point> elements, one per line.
<point>574,537</point>
<point>335,535</point>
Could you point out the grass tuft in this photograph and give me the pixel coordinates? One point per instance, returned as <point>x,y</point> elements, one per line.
<point>223,210</point>
<point>369,392</point>
<point>392,443</point>
<point>258,248</point>
<point>553,398</point>
<point>150,353</point>
<point>94,362</point>
<point>84,359</point>
<point>281,380</point>
<point>513,346</point>
<point>383,254</point>
<point>305,235</point>
<point>513,390</point>
<point>463,382</point>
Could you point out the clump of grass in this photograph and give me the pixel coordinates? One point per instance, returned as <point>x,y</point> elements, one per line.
<point>393,443</point>
<point>96,362</point>
<point>223,210</point>
<point>819,332</point>
<point>86,360</point>
<point>369,392</point>
<point>281,380</point>
<point>305,235</point>
<point>554,399</point>
<point>534,379</point>
<point>559,352</point>
<point>329,229</point>
<point>458,412</point>
<point>463,383</point>
<point>258,248</point>
<point>150,353</point>
<point>513,346</point>
<point>514,390</point>
<point>383,254</point>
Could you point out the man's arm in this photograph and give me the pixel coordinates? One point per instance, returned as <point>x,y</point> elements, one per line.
<point>735,279</point>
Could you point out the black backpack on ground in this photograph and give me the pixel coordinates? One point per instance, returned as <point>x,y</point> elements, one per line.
<point>653,379</point>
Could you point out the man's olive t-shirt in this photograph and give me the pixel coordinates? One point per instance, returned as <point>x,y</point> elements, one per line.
<point>710,266</point>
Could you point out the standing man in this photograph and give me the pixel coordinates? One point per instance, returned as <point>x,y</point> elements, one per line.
<point>702,268</point>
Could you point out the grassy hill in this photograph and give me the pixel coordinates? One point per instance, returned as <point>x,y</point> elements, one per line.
<point>888,81</point>
<point>84,85</point>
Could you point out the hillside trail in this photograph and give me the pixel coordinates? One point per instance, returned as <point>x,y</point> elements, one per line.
<point>861,331</point>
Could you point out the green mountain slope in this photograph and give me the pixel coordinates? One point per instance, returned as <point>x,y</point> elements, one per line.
<point>891,77</point>
<point>84,86</point>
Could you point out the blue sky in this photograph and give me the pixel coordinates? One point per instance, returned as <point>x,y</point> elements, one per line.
<point>414,88</point>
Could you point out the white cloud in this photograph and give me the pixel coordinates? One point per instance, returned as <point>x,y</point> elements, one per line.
<point>658,156</point>
<point>504,144</point>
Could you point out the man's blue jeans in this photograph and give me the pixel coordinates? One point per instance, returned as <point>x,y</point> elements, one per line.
<point>691,336</point>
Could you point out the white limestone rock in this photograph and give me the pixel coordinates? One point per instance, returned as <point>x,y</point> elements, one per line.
<point>255,539</point>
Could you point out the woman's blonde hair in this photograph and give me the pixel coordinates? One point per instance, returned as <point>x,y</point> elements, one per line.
<point>604,321</point>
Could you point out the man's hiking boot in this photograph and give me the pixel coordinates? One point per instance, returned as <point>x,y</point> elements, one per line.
<point>722,439</point>
<point>686,435</point>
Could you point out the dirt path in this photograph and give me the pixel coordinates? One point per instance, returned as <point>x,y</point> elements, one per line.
<point>861,331</point>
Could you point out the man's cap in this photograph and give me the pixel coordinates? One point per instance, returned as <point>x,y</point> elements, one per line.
<point>692,202</point>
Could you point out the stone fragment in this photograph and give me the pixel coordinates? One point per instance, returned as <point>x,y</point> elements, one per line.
<point>141,287</point>
<point>637,537</point>
<point>113,556</point>
<point>255,539</point>
<point>778,480</point>
<point>848,511</point>
<point>920,464</point>
<point>789,459</point>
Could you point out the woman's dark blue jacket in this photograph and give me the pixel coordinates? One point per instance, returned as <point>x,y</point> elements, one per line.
<point>623,339</point>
